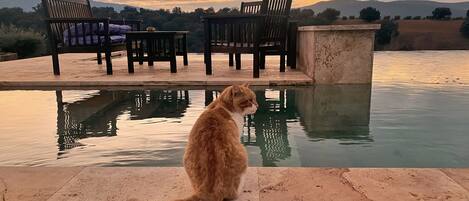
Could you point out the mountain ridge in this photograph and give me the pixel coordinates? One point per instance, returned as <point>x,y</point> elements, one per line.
<point>27,5</point>
<point>391,8</point>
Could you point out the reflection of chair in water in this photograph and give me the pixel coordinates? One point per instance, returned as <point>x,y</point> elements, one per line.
<point>336,112</point>
<point>269,124</point>
<point>167,104</point>
<point>97,115</point>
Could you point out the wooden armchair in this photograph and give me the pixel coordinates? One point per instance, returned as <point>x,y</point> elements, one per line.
<point>72,28</point>
<point>249,33</point>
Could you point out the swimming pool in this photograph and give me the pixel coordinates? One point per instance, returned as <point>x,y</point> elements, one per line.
<point>410,117</point>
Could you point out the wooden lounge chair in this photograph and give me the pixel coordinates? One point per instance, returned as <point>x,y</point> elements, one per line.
<point>72,28</point>
<point>254,8</point>
<point>249,33</point>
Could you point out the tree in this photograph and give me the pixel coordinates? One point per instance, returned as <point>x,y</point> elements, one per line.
<point>329,14</point>
<point>388,30</point>
<point>177,10</point>
<point>441,13</point>
<point>467,14</point>
<point>465,28</point>
<point>370,14</point>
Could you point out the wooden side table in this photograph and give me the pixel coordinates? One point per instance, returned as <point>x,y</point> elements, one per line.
<point>156,46</point>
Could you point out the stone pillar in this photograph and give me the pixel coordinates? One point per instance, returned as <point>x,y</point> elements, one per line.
<point>337,54</point>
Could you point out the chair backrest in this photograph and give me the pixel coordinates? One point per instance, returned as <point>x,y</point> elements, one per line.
<point>67,8</point>
<point>59,9</point>
<point>253,7</point>
<point>276,21</point>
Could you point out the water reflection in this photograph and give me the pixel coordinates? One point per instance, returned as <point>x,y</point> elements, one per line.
<point>336,112</point>
<point>323,112</point>
<point>96,116</point>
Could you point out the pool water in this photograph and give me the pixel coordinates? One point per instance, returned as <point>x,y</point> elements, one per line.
<point>416,114</point>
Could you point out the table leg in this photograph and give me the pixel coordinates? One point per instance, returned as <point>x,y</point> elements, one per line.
<point>151,52</point>
<point>141,52</point>
<point>172,52</point>
<point>130,55</point>
<point>184,49</point>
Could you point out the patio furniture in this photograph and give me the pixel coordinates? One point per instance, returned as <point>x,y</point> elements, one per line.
<point>249,33</point>
<point>157,46</point>
<point>254,8</point>
<point>72,28</point>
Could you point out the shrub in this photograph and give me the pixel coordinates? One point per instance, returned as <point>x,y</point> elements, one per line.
<point>329,14</point>
<point>441,13</point>
<point>397,17</point>
<point>467,14</point>
<point>465,28</point>
<point>25,43</point>
<point>417,18</point>
<point>408,18</point>
<point>370,14</point>
<point>429,17</point>
<point>344,17</point>
<point>314,21</point>
<point>458,18</point>
<point>387,18</point>
<point>351,17</point>
<point>388,30</point>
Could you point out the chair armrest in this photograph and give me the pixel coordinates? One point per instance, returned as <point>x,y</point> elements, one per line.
<point>77,20</point>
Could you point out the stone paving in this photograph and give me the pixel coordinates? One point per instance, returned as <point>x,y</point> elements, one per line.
<point>79,70</point>
<point>265,184</point>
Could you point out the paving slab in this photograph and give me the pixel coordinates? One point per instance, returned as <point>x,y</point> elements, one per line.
<point>33,184</point>
<point>304,184</point>
<point>405,184</point>
<point>137,184</point>
<point>460,176</point>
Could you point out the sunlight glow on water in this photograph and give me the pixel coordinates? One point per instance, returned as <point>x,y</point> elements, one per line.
<point>410,117</point>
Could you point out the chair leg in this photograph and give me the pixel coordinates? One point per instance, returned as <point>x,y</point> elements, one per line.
<point>108,61</point>
<point>238,61</point>
<point>262,60</point>
<point>255,65</point>
<point>231,60</point>
<point>208,63</point>
<point>100,58</point>
<point>55,63</point>
<point>282,61</point>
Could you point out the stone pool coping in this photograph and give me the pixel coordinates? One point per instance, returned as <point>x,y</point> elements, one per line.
<point>282,184</point>
<point>352,27</point>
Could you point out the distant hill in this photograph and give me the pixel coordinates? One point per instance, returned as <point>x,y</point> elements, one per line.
<point>27,5</point>
<point>392,8</point>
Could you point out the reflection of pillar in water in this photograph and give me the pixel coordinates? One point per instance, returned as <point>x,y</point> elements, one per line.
<point>335,111</point>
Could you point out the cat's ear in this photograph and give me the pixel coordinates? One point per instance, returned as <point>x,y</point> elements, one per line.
<point>245,85</point>
<point>235,90</point>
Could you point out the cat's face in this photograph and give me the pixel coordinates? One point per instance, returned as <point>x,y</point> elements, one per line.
<point>241,99</point>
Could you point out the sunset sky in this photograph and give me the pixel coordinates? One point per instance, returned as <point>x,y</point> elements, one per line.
<point>191,4</point>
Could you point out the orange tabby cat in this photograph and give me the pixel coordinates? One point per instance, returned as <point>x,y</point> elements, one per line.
<point>215,159</point>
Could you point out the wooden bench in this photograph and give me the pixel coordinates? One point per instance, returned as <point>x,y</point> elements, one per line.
<point>72,28</point>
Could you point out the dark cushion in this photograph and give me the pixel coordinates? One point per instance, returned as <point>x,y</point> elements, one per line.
<point>115,39</point>
<point>83,29</point>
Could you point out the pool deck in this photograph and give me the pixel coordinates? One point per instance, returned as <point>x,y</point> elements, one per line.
<point>266,184</point>
<point>79,70</point>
